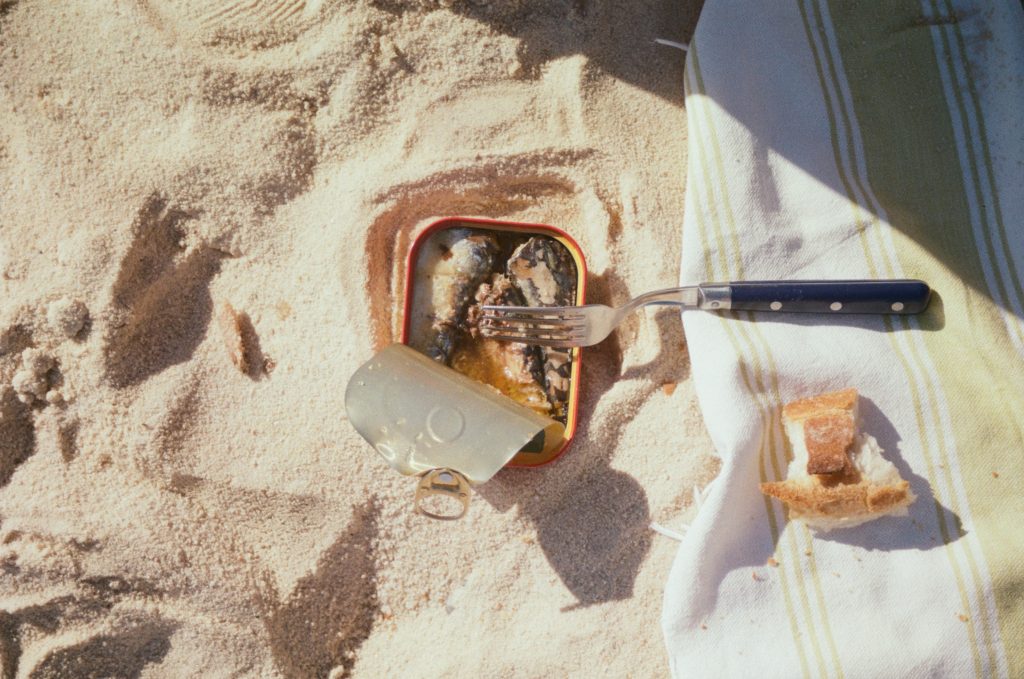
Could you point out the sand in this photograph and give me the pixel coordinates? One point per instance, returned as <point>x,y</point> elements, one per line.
<point>180,492</point>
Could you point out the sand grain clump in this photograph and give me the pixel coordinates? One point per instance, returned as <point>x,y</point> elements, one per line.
<point>31,382</point>
<point>67,316</point>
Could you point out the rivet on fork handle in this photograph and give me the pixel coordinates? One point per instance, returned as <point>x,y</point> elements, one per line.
<point>714,296</point>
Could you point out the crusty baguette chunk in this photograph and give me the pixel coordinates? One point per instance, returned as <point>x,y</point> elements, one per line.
<point>859,484</point>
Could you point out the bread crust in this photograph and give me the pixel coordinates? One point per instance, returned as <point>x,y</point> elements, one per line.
<point>828,424</point>
<point>844,400</point>
<point>828,438</point>
<point>807,498</point>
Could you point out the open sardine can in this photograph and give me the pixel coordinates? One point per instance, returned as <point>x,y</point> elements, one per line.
<point>450,406</point>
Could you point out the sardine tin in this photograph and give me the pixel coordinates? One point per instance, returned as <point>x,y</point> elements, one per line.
<point>522,459</point>
<point>420,415</point>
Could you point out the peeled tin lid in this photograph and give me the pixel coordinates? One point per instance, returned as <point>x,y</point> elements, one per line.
<point>423,416</point>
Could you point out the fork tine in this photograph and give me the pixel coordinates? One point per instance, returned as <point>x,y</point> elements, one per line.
<point>531,333</point>
<point>555,318</point>
<point>541,341</point>
<point>528,313</point>
<point>531,325</point>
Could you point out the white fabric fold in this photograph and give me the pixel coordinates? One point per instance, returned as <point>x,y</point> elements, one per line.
<point>798,170</point>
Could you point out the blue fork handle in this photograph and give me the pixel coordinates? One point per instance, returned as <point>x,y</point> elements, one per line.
<point>831,297</point>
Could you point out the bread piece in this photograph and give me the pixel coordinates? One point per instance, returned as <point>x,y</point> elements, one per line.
<point>859,485</point>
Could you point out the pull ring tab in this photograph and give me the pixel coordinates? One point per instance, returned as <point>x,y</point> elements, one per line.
<point>443,483</point>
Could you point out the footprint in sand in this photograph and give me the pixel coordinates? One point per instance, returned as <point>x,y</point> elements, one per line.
<point>17,434</point>
<point>161,300</point>
<point>119,653</point>
<point>318,628</point>
<point>79,633</point>
<point>231,24</point>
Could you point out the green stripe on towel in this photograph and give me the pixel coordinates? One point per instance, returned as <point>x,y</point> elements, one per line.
<point>849,160</point>
<point>910,126</point>
<point>698,190</point>
<point>757,352</point>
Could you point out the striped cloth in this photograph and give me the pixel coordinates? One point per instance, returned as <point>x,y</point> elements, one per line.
<point>834,139</point>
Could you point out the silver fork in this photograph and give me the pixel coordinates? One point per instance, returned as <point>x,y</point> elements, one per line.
<point>583,326</point>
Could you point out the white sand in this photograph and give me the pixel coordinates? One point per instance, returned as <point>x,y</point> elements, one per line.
<point>165,514</point>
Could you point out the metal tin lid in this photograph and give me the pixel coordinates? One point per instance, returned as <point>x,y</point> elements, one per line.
<point>421,415</point>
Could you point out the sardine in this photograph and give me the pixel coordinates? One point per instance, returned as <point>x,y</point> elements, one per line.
<point>545,274</point>
<point>517,370</point>
<point>451,267</point>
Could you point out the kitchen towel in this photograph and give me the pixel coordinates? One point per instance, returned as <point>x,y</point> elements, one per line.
<point>837,139</point>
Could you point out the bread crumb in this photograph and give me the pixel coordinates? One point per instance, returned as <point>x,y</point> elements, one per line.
<point>772,562</point>
<point>962,618</point>
<point>669,388</point>
<point>755,576</point>
<point>995,475</point>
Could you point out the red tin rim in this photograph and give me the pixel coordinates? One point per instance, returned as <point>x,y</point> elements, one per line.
<point>437,225</point>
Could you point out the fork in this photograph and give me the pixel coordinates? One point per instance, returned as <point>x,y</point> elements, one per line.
<point>583,326</point>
